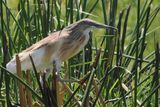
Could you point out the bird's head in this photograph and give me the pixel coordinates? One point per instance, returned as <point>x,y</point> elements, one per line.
<point>88,24</point>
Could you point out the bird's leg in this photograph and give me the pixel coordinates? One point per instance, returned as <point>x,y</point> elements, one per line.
<point>43,77</point>
<point>57,65</point>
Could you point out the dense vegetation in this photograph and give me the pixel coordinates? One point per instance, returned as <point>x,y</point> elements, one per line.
<point>116,69</point>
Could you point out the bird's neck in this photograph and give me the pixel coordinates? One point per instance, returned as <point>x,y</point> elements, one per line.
<point>86,31</point>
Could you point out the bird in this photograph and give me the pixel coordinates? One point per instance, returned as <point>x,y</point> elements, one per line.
<point>57,47</point>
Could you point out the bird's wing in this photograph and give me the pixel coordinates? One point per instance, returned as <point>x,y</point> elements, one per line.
<point>35,51</point>
<point>44,42</point>
<point>39,46</point>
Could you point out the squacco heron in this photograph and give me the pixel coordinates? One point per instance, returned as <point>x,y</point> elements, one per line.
<point>57,47</point>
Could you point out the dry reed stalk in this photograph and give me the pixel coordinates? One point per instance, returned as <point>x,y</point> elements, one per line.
<point>20,86</point>
<point>87,102</point>
<point>71,92</point>
<point>29,94</point>
<point>100,97</point>
<point>62,88</point>
<point>55,86</point>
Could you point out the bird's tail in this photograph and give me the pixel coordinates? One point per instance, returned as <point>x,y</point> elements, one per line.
<point>24,61</point>
<point>11,66</point>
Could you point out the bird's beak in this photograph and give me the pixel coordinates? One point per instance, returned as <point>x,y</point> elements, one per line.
<point>98,25</point>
